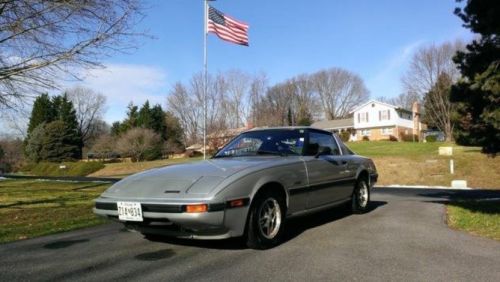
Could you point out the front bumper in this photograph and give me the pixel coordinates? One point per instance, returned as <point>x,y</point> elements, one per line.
<point>220,221</point>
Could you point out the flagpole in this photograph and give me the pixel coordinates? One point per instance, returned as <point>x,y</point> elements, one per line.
<point>205,79</point>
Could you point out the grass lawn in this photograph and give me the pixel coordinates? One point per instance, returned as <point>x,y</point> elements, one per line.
<point>477,217</point>
<point>409,163</point>
<point>127,168</point>
<point>30,208</point>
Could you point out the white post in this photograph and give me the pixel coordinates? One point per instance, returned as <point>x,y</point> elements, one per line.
<point>205,78</point>
<point>452,168</point>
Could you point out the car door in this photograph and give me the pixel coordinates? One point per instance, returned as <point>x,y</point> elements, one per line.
<point>326,170</point>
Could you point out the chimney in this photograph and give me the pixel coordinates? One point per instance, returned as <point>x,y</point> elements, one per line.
<point>249,125</point>
<point>416,118</point>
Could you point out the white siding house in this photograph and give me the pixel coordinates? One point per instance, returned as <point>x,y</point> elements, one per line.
<point>378,121</point>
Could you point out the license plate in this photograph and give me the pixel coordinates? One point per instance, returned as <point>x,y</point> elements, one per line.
<point>129,211</point>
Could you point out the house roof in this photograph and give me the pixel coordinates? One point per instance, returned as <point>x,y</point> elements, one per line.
<point>397,108</point>
<point>333,124</point>
<point>369,102</point>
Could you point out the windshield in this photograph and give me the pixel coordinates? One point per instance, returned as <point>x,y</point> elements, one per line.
<point>265,142</point>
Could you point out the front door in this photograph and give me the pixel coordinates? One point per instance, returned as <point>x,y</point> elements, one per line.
<point>326,169</point>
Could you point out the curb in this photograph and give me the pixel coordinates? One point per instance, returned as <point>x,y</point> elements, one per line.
<point>421,187</point>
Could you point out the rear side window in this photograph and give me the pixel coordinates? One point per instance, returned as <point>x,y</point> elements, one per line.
<point>319,141</point>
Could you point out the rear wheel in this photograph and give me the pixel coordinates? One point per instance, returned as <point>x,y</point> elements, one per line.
<point>266,221</point>
<point>360,197</point>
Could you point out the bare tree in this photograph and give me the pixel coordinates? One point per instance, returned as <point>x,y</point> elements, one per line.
<point>90,107</point>
<point>439,109</point>
<point>226,101</point>
<point>277,104</point>
<point>44,41</point>
<point>339,91</point>
<point>13,157</point>
<point>138,144</point>
<point>258,88</point>
<point>427,64</point>
<point>238,84</point>
<point>305,105</point>
<point>403,100</point>
<point>104,147</point>
<point>183,106</point>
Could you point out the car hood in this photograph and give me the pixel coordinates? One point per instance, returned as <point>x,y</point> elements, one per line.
<point>178,181</point>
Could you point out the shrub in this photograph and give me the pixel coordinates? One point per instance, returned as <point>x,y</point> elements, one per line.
<point>104,148</point>
<point>193,154</point>
<point>71,168</point>
<point>366,138</point>
<point>431,138</point>
<point>393,138</point>
<point>344,136</point>
<point>140,144</point>
<point>409,137</point>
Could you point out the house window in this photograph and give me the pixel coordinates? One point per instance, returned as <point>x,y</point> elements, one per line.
<point>384,115</point>
<point>366,132</point>
<point>386,130</point>
<point>363,117</point>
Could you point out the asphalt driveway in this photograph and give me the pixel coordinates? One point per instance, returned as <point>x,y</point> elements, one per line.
<point>403,237</point>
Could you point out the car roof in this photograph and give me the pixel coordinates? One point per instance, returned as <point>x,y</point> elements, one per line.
<point>288,128</point>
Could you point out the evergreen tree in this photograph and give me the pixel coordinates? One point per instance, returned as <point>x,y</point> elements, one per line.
<point>116,128</point>
<point>174,131</point>
<point>477,95</point>
<point>144,119</point>
<point>34,144</point>
<point>158,121</point>
<point>59,143</point>
<point>47,144</point>
<point>42,112</point>
<point>131,119</point>
<point>67,114</point>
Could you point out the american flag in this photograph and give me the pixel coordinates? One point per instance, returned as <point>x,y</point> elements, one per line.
<point>227,28</point>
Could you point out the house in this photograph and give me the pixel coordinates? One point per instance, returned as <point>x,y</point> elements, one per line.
<point>378,121</point>
<point>337,126</point>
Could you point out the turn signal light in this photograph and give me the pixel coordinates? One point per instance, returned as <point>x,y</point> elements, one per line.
<point>237,203</point>
<point>197,208</point>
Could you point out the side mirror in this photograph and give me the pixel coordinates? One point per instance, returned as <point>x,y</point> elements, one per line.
<point>324,151</point>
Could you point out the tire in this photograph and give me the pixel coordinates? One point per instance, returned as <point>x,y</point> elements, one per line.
<point>266,221</point>
<point>360,197</point>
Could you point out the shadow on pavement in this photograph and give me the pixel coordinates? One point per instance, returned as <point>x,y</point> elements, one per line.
<point>294,227</point>
<point>156,255</point>
<point>63,244</point>
<point>225,244</point>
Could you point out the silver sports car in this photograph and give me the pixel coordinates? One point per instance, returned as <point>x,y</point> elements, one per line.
<point>249,188</point>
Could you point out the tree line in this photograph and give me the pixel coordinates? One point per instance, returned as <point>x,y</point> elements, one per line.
<point>67,126</point>
<point>235,99</point>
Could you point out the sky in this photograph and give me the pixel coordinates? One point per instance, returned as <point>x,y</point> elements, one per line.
<point>374,39</point>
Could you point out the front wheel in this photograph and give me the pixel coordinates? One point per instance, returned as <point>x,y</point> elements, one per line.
<point>360,197</point>
<point>266,221</point>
